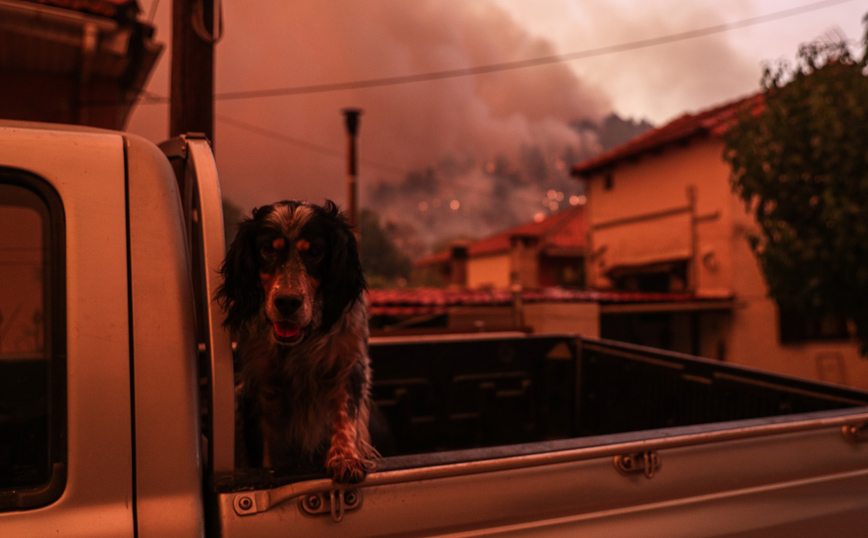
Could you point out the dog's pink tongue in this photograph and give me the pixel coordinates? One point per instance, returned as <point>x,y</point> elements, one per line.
<point>285,329</point>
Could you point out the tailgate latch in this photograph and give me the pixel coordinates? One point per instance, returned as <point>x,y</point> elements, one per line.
<point>647,462</point>
<point>857,433</point>
<point>334,502</point>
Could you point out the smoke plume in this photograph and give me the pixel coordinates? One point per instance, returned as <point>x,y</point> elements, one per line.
<point>462,156</point>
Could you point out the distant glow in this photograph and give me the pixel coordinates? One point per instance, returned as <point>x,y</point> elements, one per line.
<point>560,165</point>
<point>490,168</point>
<point>454,205</point>
<point>539,217</point>
<point>423,206</point>
<point>578,200</point>
<point>553,206</point>
<point>552,194</point>
<point>559,197</point>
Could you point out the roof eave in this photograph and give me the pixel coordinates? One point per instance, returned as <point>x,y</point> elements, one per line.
<point>609,160</point>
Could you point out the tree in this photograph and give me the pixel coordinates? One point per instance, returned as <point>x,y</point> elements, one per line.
<point>383,261</point>
<point>799,161</point>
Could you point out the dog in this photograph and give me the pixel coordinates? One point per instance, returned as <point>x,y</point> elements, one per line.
<point>294,294</point>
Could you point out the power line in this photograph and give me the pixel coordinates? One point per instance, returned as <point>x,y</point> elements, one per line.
<point>323,150</point>
<point>279,136</point>
<point>519,64</point>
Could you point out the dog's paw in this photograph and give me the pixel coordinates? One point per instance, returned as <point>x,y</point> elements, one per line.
<point>348,469</point>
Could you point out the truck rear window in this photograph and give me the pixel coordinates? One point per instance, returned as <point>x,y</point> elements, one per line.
<point>32,342</point>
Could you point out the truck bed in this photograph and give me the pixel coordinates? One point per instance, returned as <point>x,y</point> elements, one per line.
<point>557,436</point>
<point>448,394</point>
<point>446,400</point>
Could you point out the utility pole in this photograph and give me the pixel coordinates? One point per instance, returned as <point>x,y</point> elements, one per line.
<point>351,117</point>
<point>192,93</point>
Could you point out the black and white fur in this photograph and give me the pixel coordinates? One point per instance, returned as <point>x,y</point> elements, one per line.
<point>294,294</point>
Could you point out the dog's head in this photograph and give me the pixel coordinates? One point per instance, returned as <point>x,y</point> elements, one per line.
<point>294,266</point>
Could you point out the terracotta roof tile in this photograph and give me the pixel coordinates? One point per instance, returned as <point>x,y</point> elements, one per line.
<point>564,229</point>
<point>419,301</point>
<point>710,121</point>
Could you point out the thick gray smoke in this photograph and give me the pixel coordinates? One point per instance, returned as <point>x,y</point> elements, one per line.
<point>478,153</point>
<point>462,156</point>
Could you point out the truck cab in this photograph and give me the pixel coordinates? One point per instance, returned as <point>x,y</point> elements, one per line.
<point>103,412</point>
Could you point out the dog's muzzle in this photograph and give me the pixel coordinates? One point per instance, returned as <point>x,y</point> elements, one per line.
<point>287,333</point>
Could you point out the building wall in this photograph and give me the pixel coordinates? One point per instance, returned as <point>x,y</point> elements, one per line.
<point>666,206</point>
<point>482,318</point>
<point>687,186</point>
<point>489,271</point>
<point>561,271</point>
<point>582,319</point>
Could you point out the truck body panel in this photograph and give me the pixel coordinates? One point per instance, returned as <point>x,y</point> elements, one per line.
<point>590,498</point>
<point>167,428</point>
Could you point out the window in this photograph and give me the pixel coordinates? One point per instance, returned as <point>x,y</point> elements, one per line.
<point>32,343</point>
<point>654,278</point>
<point>796,327</point>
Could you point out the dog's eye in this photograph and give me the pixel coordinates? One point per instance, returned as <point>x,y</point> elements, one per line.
<point>310,250</point>
<point>269,248</point>
<point>316,250</point>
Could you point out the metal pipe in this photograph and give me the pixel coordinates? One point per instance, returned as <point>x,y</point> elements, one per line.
<point>351,120</point>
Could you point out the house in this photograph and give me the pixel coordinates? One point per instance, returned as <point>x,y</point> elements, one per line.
<point>542,253</point>
<point>661,217</point>
<point>512,280</point>
<point>528,278</point>
<point>73,61</point>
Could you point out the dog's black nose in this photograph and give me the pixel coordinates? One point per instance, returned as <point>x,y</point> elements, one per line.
<point>287,304</point>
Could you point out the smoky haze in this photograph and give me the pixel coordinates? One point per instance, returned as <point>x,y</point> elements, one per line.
<point>464,156</point>
<point>495,144</point>
<point>473,153</point>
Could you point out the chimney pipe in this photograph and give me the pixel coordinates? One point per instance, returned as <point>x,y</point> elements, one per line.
<point>458,254</point>
<point>351,120</point>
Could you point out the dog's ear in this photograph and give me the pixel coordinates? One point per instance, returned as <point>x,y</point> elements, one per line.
<point>343,279</point>
<point>241,294</point>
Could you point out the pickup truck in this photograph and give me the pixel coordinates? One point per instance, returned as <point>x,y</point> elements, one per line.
<point>117,411</point>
